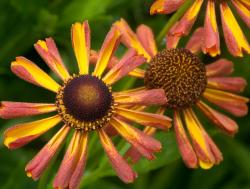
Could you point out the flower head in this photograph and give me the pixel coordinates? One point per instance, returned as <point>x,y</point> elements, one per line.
<point>84,103</point>
<point>188,83</point>
<point>235,39</point>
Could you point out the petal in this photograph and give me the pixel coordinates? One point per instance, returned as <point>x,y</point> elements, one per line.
<point>234,104</point>
<point>243,11</point>
<point>80,36</point>
<point>122,68</point>
<point>221,67</point>
<point>28,71</point>
<point>232,84</point>
<point>143,97</point>
<point>109,46</point>
<point>223,122</point>
<point>246,3</point>
<point>187,153</point>
<point>121,167</point>
<point>171,39</point>
<point>146,37</point>
<point>142,142</point>
<point>73,162</point>
<point>129,38</point>
<point>21,134</point>
<point>146,119</point>
<point>200,144</point>
<point>139,73</point>
<point>94,57</point>
<point>211,35</point>
<point>10,110</point>
<point>186,22</point>
<point>165,6</point>
<point>235,39</point>
<point>196,40</point>
<point>41,161</point>
<point>48,51</point>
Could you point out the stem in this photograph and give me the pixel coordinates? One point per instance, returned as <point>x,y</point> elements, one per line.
<point>178,14</point>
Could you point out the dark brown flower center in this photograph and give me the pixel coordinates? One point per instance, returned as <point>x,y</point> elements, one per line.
<point>180,73</point>
<point>85,102</point>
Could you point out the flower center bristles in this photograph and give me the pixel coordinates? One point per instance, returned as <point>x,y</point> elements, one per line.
<point>85,102</point>
<point>180,73</point>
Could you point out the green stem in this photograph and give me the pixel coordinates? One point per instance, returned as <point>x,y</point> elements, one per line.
<point>178,14</point>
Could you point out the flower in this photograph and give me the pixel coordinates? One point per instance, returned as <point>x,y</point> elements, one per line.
<point>188,83</point>
<point>234,37</point>
<point>84,103</point>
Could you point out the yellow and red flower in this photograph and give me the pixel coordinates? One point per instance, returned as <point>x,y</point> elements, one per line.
<point>84,103</point>
<point>235,39</point>
<point>188,84</point>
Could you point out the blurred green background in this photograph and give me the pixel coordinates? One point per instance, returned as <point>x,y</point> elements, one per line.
<point>23,22</point>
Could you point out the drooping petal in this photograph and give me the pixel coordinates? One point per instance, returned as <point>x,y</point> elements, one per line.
<point>232,84</point>
<point>200,144</point>
<point>21,134</point>
<point>10,110</point>
<point>40,162</point>
<point>147,39</point>
<point>80,34</point>
<point>122,68</point>
<point>48,51</point>
<point>165,6</point>
<point>145,144</point>
<point>73,162</point>
<point>146,119</point>
<point>232,103</point>
<point>28,71</point>
<point>235,39</point>
<point>186,22</point>
<point>187,153</point>
<point>211,34</point>
<point>223,122</point>
<point>243,11</point>
<point>121,167</point>
<point>109,46</point>
<point>195,42</point>
<point>221,67</point>
<point>129,38</point>
<point>143,97</point>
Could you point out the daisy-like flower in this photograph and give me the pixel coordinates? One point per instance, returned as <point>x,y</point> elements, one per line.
<point>235,39</point>
<point>188,83</point>
<point>84,103</point>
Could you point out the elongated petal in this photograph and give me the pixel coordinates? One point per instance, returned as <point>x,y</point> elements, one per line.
<point>232,84</point>
<point>221,67</point>
<point>73,162</point>
<point>243,11</point>
<point>232,103</point>
<point>146,119</point>
<point>186,22</point>
<point>40,162</point>
<point>165,6</point>
<point>187,153</point>
<point>109,46</point>
<point>143,97</point>
<point>121,167</point>
<point>195,42</point>
<point>80,34</point>
<point>200,144</point>
<point>122,69</point>
<point>140,73</point>
<point>172,40</point>
<point>147,39</point>
<point>48,51</point>
<point>246,3</point>
<point>142,142</point>
<point>235,39</point>
<point>21,134</point>
<point>94,57</point>
<point>28,71</point>
<point>10,110</point>
<point>223,122</point>
<point>211,34</point>
<point>129,38</point>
